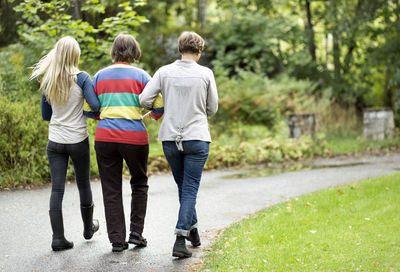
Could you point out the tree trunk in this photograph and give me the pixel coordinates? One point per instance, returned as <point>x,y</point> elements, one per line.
<point>76,10</point>
<point>336,54</point>
<point>310,31</point>
<point>387,96</point>
<point>327,54</point>
<point>336,45</point>
<point>352,44</point>
<point>201,12</point>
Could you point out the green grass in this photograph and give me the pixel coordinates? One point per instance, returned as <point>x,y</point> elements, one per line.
<point>353,227</point>
<point>345,144</point>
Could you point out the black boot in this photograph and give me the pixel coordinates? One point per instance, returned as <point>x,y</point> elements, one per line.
<point>137,239</point>
<point>118,247</point>
<point>90,225</point>
<point>194,237</point>
<point>57,224</point>
<point>180,249</point>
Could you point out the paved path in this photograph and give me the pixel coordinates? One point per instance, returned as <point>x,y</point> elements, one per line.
<point>25,234</point>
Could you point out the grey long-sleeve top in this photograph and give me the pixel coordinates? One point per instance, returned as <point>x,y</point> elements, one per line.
<point>189,94</point>
<point>67,122</point>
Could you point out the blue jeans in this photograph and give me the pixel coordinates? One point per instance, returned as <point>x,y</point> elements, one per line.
<point>187,167</point>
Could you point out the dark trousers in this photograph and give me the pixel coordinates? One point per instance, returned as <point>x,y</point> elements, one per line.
<point>110,158</point>
<point>58,156</point>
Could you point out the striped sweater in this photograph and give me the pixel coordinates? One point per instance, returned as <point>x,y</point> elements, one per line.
<point>118,87</point>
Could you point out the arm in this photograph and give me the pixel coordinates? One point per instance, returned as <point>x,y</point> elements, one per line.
<point>158,107</point>
<point>212,96</point>
<point>85,83</point>
<point>91,104</point>
<point>46,109</point>
<point>150,92</point>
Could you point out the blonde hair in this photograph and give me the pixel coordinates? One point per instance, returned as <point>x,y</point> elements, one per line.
<point>59,69</point>
<point>190,42</point>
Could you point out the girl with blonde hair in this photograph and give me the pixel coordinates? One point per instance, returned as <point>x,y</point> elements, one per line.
<point>64,90</point>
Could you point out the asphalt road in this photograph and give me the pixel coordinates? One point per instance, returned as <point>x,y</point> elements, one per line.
<point>25,234</point>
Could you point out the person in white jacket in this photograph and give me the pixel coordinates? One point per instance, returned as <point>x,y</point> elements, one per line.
<point>190,95</point>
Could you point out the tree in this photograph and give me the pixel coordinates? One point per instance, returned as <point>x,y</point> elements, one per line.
<point>202,11</point>
<point>254,42</point>
<point>8,26</point>
<point>76,10</point>
<point>310,30</point>
<point>42,23</point>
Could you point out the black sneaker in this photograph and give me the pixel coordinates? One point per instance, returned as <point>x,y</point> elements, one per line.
<point>118,247</point>
<point>137,239</point>
<point>194,237</point>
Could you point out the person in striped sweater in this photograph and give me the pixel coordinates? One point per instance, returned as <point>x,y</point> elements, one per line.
<point>121,135</point>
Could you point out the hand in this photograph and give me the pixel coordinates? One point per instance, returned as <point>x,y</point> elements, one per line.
<point>147,115</point>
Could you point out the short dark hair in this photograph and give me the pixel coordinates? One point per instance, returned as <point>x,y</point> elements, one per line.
<point>190,42</point>
<point>125,48</point>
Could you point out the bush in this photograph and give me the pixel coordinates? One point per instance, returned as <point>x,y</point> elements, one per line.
<point>22,143</point>
<point>255,42</point>
<point>265,150</point>
<point>23,158</point>
<point>255,99</point>
<point>14,73</point>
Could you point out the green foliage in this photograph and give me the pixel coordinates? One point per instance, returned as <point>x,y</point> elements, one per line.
<point>254,42</point>
<point>351,39</point>
<point>22,143</point>
<point>266,149</point>
<point>255,99</point>
<point>14,74</point>
<point>260,51</point>
<point>385,59</point>
<point>346,228</point>
<point>124,21</point>
<point>158,39</point>
<point>249,4</point>
<point>43,23</point>
<point>8,26</point>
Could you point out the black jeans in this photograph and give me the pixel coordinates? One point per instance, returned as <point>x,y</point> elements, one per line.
<point>110,158</point>
<point>58,156</point>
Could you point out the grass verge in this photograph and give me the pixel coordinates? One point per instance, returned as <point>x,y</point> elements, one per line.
<point>352,227</point>
<point>345,144</point>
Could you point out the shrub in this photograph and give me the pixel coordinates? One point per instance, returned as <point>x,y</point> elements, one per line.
<point>22,143</point>
<point>14,73</point>
<point>252,41</point>
<point>23,158</point>
<point>254,99</point>
<point>265,150</point>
